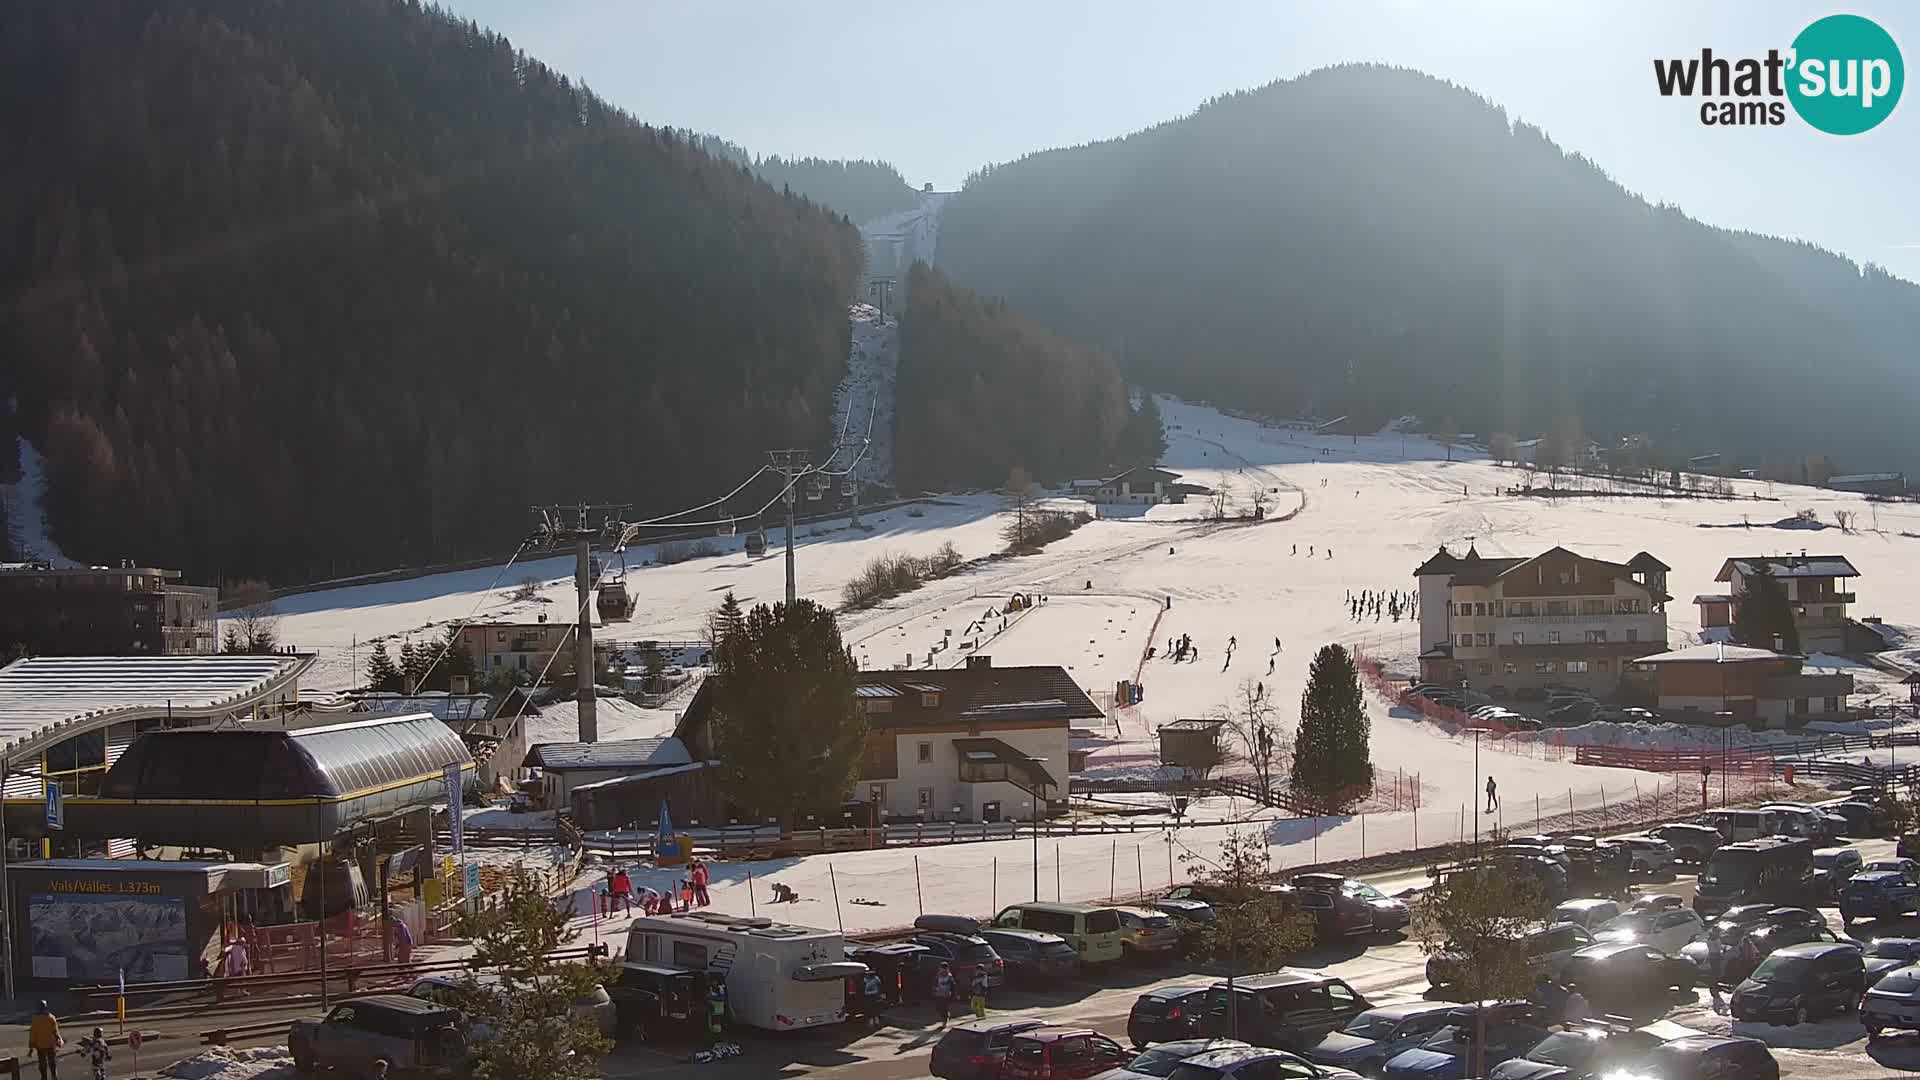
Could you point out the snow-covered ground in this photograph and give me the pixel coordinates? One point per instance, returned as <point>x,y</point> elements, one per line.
<point>1345,514</point>
<point>227,1063</point>
<point>25,519</point>
<point>865,396</point>
<point>896,241</point>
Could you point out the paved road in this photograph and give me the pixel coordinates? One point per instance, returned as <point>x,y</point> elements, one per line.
<point>1386,971</point>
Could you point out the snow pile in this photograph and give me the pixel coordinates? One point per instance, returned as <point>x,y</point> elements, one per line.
<point>617,718</point>
<point>24,517</point>
<point>227,1063</point>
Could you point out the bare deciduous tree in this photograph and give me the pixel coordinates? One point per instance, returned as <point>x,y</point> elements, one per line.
<point>1255,721</point>
<point>252,627</point>
<point>1221,495</point>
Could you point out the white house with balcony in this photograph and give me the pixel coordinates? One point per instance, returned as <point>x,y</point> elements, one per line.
<point>1553,619</point>
<point>1817,588</point>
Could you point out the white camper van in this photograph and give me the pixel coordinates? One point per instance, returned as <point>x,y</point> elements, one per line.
<point>779,977</point>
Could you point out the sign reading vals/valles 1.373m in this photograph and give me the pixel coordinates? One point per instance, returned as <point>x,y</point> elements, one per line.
<point>1842,75</point>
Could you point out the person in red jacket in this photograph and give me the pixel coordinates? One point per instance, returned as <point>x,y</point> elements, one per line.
<point>700,884</point>
<point>620,888</point>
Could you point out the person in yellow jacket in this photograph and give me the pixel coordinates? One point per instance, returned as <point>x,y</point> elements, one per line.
<point>43,1038</point>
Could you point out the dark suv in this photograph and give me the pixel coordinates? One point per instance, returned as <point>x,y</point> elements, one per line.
<point>976,1051</point>
<point>653,1001</point>
<point>1878,894</point>
<point>1285,1010</point>
<point>1800,982</point>
<point>1165,1014</point>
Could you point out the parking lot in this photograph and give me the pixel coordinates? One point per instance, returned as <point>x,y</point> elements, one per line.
<point>1382,971</point>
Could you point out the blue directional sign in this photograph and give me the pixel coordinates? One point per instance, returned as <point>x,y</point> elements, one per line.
<point>56,809</point>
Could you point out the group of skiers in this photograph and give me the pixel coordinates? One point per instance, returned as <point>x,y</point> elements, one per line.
<point>1328,551</point>
<point>685,895</point>
<point>1395,603</point>
<point>944,987</point>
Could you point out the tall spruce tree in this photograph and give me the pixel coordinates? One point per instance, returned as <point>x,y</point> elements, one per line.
<point>725,620</point>
<point>1332,755</point>
<point>1765,618</point>
<point>784,724</point>
<point>382,676</point>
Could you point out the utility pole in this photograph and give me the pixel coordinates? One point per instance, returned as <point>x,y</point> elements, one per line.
<point>551,533</point>
<point>881,290</point>
<point>791,464</point>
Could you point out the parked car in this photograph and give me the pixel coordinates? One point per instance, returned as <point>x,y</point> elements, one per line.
<point>1511,1030</point>
<point>653,1001</point>
<point>1908,846</point>
<point>1147,932</point>
<point>1800,982</point>
<point>1033,957</point>
<point>1167,1013</point>
<point>1666,929</point>
<point>1586,913</point>
<point>1878,894</point>
<point>413,1036</point>
<point>976,1050</point>
<point>1369,1039</point>
<point>597,1008</point>
<point>1548,950</point>
<point>1550,846</point>
<point>1691,843</point>
<point>1735,826</point>
<point>1385,914</point>
<point>1833,866</point>
<point>1093,931</point>
<point>1336,915</point>
<point>1709,1057</point>
<point>1665,901</point>
<point>1906,868</point>
<point>1774,936</point>
<point>1157,1062</point>
<point>1287,1009</point>
<point>905,969</point>
<point>1551,875</point>
<point>1651,855</point>
<point>1626,974</point>
<point>1729,933</point>
<point>1864,819</point>
<point>964,953</point>
<point>1892,1002</point>
<point>1189,914</point>
<point>948,924</point>
<point>1793,819</point>
<point>1061,1053</point>
<point>1883,955</point>
<point>1255,1063</point>
<point>1582,1052</point>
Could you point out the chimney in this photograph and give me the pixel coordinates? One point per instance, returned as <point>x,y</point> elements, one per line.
<point>979,661</point>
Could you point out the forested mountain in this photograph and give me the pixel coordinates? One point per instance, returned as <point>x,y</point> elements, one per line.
<point>292,289</point>
<point>982,391</point>
<point>862,190</point>
<point>1372,241</point>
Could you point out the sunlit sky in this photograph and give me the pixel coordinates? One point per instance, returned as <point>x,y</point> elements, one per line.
<point>940,90</point>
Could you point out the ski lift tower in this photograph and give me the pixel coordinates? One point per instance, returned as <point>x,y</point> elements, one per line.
<point>563,525</point>
<point>791,464</point>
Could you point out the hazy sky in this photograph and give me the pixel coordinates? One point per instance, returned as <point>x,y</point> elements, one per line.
<point>941,89</point>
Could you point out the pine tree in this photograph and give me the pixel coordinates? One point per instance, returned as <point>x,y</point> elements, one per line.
<point>1332,755</point>
<point>412,665</point>
<point>1764,619</point>
<point>784,724</point>
<point>726,620</point>
<point>382,676</point>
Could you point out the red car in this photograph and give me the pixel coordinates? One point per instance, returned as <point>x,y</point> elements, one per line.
<point>1061,1053</point>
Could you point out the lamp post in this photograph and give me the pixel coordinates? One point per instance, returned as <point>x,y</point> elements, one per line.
<point>1476,789</point>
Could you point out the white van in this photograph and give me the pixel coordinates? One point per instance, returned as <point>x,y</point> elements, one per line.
<point>779,977</point>
<point>1738,825</point>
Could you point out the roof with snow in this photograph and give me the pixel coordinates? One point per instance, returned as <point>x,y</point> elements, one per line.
<point>1789,566</point>
<point>1713,598</point>
<point>1717,653</point>
<point>1473,569</point>
<point>619,754</point>
<point>1865,478</point>
<point>44,699</point>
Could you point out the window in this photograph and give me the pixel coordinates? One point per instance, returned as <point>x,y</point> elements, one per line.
<point>1487,669</point>
<point>1558,607</point>
<point>1576,667</point>
<point>926,752</point>
<point>1832,704</point>
<point>1483,640</point>
<point>1496,609</point>
<point>1596,637</point>
<point>1520,607</point>
<point>1553,637</point>
<point>1479,609</point>
<point>1799,705</point>
<point>1540,667</point>
<point>1511,668</point>
<point>1600,665</point>
<point>689,954</point>
<point>1830,612</point>
<point>500,637</point>
<point>929,700</point>
<point>1565,577</point>
<point>1466,641</point>
<point>1593,606</point>
<point>926,802</point>
<point>1519,638</point>
<point>1633,635</point>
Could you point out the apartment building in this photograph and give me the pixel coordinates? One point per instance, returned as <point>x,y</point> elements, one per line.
<point>1757,687</point>
<point>1816,586</point>
<point>123,610</point>
<point>1554,619</point>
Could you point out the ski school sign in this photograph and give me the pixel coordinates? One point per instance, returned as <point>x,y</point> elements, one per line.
<point>1842,75</point>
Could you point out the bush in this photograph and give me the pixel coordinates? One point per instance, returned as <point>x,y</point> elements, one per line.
<point>679,551</point>
<point>890,575</point>
<point>1038,528</point>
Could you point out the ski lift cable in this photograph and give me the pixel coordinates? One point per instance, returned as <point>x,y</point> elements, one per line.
<point>593,587</point>
<point>446,643</point>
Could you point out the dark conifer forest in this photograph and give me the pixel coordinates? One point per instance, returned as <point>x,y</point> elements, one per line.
<point>292,289</point>
<point>1373,242</point>
<point>862,190</point>
<point>983,391</point>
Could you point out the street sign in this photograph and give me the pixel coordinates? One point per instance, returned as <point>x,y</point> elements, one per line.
<point>134,1039</point>
<point>472,880</point>
<point>56,808</point>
